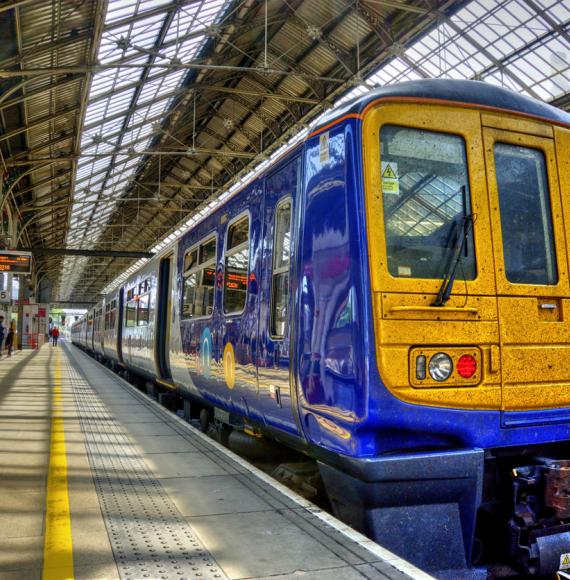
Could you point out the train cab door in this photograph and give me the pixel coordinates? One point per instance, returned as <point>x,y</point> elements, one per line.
<point>531,266</point>
<point>275,391</point>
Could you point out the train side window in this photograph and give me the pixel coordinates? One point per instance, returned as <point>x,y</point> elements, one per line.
<point>526,217</point>
<point>199,280</point>
<point>236,266</point>
<point>113,314</point>
<point>280,278</point>
<point>425,193</point>
<point>131,312</point>
<point>143,310</point>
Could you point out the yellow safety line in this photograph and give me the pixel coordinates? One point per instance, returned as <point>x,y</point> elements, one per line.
<point>58,548</point>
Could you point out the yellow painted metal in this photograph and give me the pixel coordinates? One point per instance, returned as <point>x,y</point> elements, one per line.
<point>58,546</point>
<point>534,319</point>
<point>504,287</point>
<point>458,121</point>
<point>523,330</point>
<point>403,316</point>
<point>516,124</point>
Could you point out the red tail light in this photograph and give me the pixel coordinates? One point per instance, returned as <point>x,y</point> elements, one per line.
<point>466,366</point>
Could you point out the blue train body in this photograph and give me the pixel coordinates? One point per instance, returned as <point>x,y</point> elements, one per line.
<point>388,464</point>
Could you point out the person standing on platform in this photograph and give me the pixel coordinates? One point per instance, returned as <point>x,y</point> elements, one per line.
<point>10,339</point>
<point>54,335</point>
<point>2,333</point>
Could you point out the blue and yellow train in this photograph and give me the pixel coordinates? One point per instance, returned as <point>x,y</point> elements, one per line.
<point>391,297</point>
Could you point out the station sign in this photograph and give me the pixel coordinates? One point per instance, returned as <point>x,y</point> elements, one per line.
<point>15,262</point>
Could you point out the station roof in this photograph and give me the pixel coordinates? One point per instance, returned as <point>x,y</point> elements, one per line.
<point>122,121</point>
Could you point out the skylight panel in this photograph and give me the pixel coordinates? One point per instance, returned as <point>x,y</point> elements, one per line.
<point>119,9</point>
<point>146,4</point>
<point>181,25</point>
<point>102,82</point>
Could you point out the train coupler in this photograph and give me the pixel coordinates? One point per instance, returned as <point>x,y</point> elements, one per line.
<point>540,525</point>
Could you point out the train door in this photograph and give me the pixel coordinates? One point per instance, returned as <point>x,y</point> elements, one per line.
<point>275,393</point>
<point>119,325</point>
<point>162,339</point>
<point>530,257</point>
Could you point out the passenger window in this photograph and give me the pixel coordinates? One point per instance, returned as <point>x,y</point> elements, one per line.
<point>281,260</point>
<point>199,280</point>
<point>131,313</point>
<point>526,218</point>
<point>236,265</point>
<point>143,310</point>
<point>425,192</point>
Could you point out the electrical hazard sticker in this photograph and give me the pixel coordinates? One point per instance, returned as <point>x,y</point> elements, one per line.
<point>564,562</point>
<point>390,178</point>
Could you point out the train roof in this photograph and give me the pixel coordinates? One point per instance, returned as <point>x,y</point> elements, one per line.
<point>475,93</point>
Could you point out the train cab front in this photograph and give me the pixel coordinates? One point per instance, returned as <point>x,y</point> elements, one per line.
<point>470,294</point>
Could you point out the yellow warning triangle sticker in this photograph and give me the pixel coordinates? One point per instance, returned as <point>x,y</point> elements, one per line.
<point>566,560</point>
<point>389,173</point>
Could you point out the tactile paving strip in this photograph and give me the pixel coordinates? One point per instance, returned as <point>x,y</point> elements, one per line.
<point>149,537</point>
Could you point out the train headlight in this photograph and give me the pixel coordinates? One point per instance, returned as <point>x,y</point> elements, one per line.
<point>440,367</point>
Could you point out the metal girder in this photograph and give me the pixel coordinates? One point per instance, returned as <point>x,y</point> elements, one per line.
<point>128,200</point>
<point>41,183</point>
<point>551,22</point>
<point>89,253</point>
<point>150,12</point>
<point>41,48</point>
<point>49,71</point>
<point>67,80</point>
<point>497,63</point>
<point>38,123</point>
<point>400,6</point>
<point>126,153</point>
<point>11,4</point>
<point>343,57</point>
<point>16,159</point>
<point>131,110</point>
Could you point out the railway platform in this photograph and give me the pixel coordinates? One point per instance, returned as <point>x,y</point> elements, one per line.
<point>99,481</point>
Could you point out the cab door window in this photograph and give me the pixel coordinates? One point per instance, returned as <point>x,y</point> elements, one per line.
<point>426,198</point>
<point>526,216</point>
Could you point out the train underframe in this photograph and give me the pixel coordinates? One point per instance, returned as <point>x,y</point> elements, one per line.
<point>463,514</point>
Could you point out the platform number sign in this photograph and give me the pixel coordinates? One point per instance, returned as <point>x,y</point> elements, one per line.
<point>4,297</point>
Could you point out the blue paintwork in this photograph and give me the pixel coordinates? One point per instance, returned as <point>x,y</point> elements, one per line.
<point>337,399</point>
<point>424,464</point>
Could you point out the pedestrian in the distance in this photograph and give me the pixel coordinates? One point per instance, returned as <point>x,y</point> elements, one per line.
<point>2,334</point>
<point>54,335</point>
<point>10,340</point>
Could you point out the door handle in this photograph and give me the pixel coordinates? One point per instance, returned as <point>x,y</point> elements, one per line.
<point>548,306</point>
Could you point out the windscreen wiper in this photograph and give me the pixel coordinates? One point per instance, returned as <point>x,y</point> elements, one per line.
<point>460,243</point>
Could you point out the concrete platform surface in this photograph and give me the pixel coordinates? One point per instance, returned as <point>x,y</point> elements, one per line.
<point>99,481</point>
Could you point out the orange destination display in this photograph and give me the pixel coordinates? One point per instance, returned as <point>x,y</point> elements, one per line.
<point>15,262</point>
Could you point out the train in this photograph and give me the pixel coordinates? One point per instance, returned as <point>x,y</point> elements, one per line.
<point>390,297</point>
